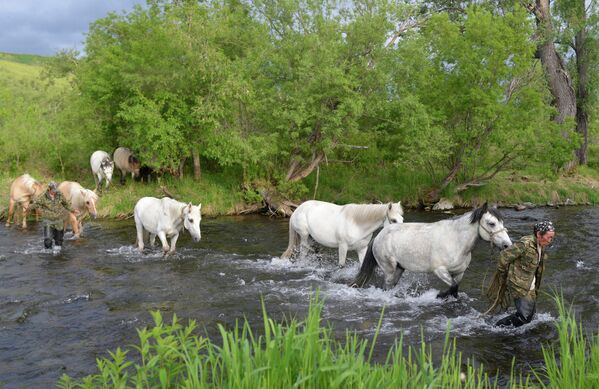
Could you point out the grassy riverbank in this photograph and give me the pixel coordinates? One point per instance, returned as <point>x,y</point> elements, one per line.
<point>222,193</point>
<point>305,354</point>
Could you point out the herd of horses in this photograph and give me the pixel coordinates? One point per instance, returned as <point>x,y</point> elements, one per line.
<point>443,248</point>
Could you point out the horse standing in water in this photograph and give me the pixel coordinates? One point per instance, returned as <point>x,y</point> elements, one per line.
<point>81,199</point>
<point>102,168</point>
<point>166,218</point>
<point>443,248</point>
<point>346,227</point>
<point>126,162</point>
<point>23,190</point>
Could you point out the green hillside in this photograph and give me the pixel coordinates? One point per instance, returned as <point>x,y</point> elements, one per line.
<point>28,59</point>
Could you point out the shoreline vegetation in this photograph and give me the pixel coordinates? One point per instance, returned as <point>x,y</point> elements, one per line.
<point>222,195</point>
<point>305,354</point>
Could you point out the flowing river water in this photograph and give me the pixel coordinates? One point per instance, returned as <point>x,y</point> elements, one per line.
<point>61,311</point>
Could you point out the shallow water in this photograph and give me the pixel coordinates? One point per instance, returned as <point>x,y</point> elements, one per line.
<point>61,311</point>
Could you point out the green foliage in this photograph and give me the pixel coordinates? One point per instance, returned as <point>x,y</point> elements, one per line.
<point>272,89</point>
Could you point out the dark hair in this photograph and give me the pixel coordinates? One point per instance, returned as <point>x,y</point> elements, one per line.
<point>478,213</point>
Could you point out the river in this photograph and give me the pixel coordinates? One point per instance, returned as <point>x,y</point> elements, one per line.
<point>61,311</point>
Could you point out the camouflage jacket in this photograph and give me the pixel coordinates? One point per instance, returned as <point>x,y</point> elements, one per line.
<point>54,211</point>
<point>521,265</point>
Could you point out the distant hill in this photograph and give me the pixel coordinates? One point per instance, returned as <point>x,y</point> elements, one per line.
<point>28,59</point>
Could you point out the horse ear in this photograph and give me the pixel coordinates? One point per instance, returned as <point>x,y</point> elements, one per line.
<point>390,206</point>
<point>484,207</point>
<point>200,206</point>
<point>82,192</point>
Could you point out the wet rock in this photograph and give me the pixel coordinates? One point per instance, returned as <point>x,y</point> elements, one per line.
<point>519,207</point>
<point>569,202</point>
<point>443,205</point>
<point>528,204</point>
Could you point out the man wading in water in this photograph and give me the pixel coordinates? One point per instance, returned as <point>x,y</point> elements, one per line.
<point>519,272</point>
<point>54,210</point>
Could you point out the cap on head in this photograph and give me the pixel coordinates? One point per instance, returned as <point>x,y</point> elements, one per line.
<point>52,186</point>
<point>543,227</point>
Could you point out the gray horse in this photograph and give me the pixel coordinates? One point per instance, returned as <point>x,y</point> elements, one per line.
<point>442,247</point>
<point>126,162</point>
<point>102,168</point>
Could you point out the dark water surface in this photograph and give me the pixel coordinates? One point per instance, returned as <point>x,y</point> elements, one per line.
<point>59,312</point>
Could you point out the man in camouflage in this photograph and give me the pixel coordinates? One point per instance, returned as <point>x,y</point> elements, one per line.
<point>519,273</point>
<point>55,209</point>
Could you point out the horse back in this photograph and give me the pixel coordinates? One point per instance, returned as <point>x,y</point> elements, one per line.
<point>97,158</point>
<point>125,160</point>
<point>24,188</point>
<point>158,214</point>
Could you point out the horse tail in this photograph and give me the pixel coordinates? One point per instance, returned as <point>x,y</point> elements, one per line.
<point>293,240</point>
<point>366,270</point>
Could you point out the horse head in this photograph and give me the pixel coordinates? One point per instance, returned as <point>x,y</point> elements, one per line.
<point>134,164</point>
<point>90,201</point>
<point>490,226</point>
<point>191,221</point>
<point>107,167</point>
<point>394,214</point>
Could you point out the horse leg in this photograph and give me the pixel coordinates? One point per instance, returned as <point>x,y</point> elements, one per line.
<point>304,245</point>
<point>392,279</point>
<point>11,210</point>
<point>122,179</point>
<point>74,225</point>
<point>342,254</point>
<point>173,243</point>
<point>152,240</point>
<point>165,246</point>
<point>25,207</point>
<point>446,277</point>
<point>140,235</point>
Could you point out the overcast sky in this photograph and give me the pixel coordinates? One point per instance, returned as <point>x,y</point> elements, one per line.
<point>46,26</point>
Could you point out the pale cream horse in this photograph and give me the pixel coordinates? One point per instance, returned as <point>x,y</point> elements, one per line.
<point>23,190</point>
<point>82,200</point>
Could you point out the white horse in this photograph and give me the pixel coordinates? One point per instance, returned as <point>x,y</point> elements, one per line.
<point>81,199</point>
<point>347,227</point>
<point>443,247</point>
<point>102,168</point>
<point>165,218</point>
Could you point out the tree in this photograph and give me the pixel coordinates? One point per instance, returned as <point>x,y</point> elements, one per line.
<point>572,96</point>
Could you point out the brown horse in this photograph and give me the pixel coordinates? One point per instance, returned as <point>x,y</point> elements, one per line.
<point>23,190</point>
<point>126,162</point>
<point>81,199</point>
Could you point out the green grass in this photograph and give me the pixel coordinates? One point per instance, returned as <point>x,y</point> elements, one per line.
<point>305,354</point>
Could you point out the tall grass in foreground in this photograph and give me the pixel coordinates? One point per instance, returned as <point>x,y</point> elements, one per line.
<point>306,355</point>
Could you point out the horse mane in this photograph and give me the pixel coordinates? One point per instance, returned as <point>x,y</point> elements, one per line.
<point>365,213</point>
<point>478,213</point>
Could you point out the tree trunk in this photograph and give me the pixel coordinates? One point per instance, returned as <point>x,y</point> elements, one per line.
<point>582,66</point>
<point>433,195</point>
<point>297,172</point>
<point>197,167</point>
<point>557,75</point>
<point>181,168</point>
